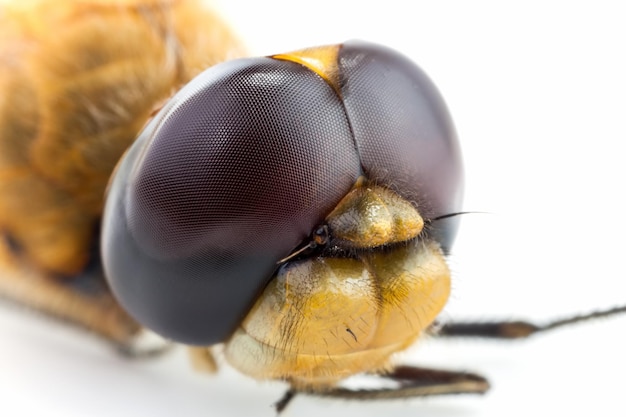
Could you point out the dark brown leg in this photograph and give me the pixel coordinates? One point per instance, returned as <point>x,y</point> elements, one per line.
<point>281,404</point>
<point>412,382</point>
<point>515,329</point>
<point>421,382</point>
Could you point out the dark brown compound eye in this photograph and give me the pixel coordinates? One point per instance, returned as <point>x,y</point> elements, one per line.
<point>246,161</point>
<point>403,132</point>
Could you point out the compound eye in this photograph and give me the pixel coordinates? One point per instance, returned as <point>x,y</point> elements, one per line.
<point>403,132</point>
<point>227,179</point>
<point>240,167</point>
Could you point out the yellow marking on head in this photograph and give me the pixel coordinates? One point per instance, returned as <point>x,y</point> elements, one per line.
<point>371,216</point>
<point>322,60</point>
<point>323,319</point>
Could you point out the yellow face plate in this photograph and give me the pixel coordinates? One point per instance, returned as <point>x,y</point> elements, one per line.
<point>323,319</point>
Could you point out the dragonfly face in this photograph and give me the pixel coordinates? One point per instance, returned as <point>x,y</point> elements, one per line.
<point>244,164</point>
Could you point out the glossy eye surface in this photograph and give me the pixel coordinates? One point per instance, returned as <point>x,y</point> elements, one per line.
<point>246,160</point>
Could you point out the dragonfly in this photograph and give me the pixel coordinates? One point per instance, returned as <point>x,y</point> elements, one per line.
<point>68,163</point>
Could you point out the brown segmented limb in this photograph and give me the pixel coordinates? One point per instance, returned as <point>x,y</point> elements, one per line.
<point>97,312</point>
<point>412,382</point>
<point>516,329</point>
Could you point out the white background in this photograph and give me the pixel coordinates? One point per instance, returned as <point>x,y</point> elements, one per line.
<point>538,94</point>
